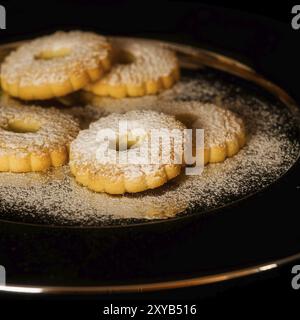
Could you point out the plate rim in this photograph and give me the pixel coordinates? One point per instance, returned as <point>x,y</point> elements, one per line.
<point>153,286</point>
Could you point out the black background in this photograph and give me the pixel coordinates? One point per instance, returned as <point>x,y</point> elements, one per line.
<point>226,27</point>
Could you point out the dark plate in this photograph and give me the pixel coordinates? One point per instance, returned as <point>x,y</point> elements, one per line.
<point>243,237</point>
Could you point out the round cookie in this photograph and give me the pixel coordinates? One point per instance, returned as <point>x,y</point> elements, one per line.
<point>141,69</point>
<point>224,131</point>
<point>94,164</point>
<point>55,65</point>
<point>33,138</point>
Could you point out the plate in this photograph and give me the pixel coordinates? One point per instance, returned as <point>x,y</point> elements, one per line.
<point>242,233</point>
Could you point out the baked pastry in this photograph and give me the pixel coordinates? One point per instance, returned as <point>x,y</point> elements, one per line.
<point>104,166</point>
<point>33,138</point>
<point>55,65</point>
<point>141,68</point>
<point>224,131</point>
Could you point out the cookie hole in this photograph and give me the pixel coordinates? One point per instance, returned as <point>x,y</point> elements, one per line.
<point>186,118</point>
<point>53,54</point>
<point>124,143</point>
<point>21,126</point>
<point>124,57</point>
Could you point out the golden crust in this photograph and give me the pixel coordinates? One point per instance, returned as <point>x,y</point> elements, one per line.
<point>102,174</point>
<point>55,65</point>
<point>150,69</point>
<point>32,138</point>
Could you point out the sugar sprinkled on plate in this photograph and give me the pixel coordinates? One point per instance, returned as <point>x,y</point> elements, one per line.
<point>55,198</point>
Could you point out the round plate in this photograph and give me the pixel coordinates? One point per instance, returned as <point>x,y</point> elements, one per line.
<point>250,235</point>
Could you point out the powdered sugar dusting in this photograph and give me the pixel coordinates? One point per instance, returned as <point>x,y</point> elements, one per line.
<point>269,152</point>
<point>84,51</point>
<point>84,149</point>
<point>54,128</point>
<point>150,62</point>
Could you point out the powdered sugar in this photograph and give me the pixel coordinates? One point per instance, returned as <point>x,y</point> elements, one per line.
<point>83,51</point>
<point>84,149</point>
<point>150,62</point>
<point>56,198</point>
<point>54,128</point>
